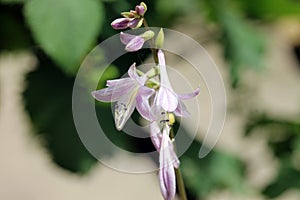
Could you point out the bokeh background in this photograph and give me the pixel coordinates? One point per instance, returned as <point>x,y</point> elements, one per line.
<point>256,45</point>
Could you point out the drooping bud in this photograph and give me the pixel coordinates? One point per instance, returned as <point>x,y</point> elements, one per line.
<point>160,39</point>
<point>120,23</point>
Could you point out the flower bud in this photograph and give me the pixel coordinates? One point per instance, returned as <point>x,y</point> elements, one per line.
<point>160,39</point>
<point>140,10</point>
<point>135,23</point>
<point>144,6</point>
<point>147,35</point>
<point>120,23</point>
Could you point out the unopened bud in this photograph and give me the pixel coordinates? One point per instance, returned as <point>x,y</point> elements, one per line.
<point>160,39</point>
<point>145,8</point>
<point>121,23</point>
<point>148,35</point>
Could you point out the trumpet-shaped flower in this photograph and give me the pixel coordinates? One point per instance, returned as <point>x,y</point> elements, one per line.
<point>128,93</point>
<point>159,132</point>
<point>167,162</point>
<point>166,97</point>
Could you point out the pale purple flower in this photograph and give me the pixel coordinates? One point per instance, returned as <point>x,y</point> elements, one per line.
<point>135,42</point>
<point>167,162</point>
<point>128,93</point>
<point>166,97</point>
<point>159,132</point>
<point>132,42</point>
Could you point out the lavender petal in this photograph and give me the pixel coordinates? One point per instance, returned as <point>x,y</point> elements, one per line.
<point>155,134</point>
<point>135,44</point>
<point>142,102</point>
<point>167,99</point>
<point>124,107</point>
<point>125,37</point>
<point>189,95</point>
<point>181,110</point>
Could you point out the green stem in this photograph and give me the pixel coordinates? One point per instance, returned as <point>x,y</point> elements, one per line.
<point>179,178</point>
<point>153,50</point>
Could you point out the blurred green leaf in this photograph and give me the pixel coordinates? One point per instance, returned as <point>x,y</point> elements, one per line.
<point>216,171</point>
<point>284,141</point>
<point>167,8</point>
<point>270,9</point>
<point>288,177</point>
<point>65,29</point>
<point>244,46</point>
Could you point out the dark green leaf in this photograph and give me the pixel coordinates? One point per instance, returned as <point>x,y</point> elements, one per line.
<point>287,178</point>
<point>216,171</point>
<point>13,33</point>
<point>48,99</point>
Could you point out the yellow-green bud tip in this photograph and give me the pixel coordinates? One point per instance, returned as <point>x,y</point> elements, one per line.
<point>159,42</point>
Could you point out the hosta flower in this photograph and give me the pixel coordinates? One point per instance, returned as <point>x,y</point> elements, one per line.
<point>166,97</point>
<point>135,42</point>
<point>159,132</point>
<point>128,93</point>
<point>167,162</point>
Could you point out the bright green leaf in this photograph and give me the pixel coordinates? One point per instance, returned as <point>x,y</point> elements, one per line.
<point>65,29</point>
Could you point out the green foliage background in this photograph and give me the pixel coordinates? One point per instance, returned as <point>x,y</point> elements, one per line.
<point>62,32</point>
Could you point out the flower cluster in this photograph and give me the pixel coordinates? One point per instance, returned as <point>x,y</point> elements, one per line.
<point>133,19</point>
<point>155,101</point>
